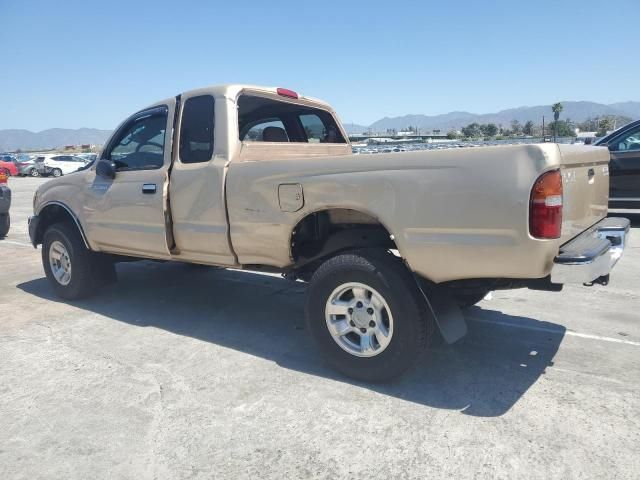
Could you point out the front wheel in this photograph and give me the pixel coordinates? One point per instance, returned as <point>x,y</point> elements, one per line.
<point>73,271</point>
<point>56,172</point>
<point>365,312</point>
<point>34,172</point>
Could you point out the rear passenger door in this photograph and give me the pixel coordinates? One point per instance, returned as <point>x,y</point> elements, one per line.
<point>196,186</point>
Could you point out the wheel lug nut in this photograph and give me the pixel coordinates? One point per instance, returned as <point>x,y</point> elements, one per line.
<point>370,311</point>
<point>352,323</point>
<point>372,323</point>
<point>359,304</point>
<point>363,330</point>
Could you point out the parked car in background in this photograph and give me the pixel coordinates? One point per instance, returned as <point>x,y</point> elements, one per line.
<point>27,166</point>
<point>58,165</point>
<point>7,165</point>
<point>624,167</point>
<point>5,203</point>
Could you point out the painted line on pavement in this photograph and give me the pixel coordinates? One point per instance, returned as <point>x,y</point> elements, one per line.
<point>556,331</point>
<point>12,242</point>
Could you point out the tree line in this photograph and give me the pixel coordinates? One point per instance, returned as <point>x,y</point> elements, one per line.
<point>560,128</point>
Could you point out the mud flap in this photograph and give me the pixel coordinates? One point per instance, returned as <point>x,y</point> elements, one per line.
<point>445,311</point>
<point>104,270</point>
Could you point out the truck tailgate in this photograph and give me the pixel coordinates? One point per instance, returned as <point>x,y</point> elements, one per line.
<point>585,182</point>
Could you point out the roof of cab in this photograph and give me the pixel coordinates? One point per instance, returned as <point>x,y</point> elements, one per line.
<point>231,91</point>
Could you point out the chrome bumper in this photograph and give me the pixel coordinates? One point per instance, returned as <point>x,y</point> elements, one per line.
<point>592,254</point>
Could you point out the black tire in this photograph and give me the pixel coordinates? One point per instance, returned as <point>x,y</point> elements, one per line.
<point>88,270</point>
<point>5,224</point>
<point>413,325</point>
<point>34,172</point>
<point>468,300</point>
<point>56,172</point>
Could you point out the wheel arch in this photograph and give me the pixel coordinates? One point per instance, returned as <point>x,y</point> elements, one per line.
<point>327,231</point>
<point>55,212</point>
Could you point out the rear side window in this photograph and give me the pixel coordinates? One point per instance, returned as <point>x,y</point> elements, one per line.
<point>196,130</point>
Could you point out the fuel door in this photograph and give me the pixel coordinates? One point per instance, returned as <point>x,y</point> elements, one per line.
<point>290,197</point>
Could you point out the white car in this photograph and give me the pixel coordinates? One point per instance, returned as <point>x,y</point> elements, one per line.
<point>58,165</point>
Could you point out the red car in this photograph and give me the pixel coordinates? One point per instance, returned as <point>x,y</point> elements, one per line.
<point>8,167</point>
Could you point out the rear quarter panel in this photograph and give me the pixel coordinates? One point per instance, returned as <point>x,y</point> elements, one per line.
<point>454,214</point>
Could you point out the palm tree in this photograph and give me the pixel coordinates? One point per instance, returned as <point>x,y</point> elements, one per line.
<point>556,108</point>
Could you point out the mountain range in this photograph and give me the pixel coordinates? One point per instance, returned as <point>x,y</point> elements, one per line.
<point>14,139</point>
<point>577,111</point>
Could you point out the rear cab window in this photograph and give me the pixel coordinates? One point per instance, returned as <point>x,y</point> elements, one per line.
<point>262,119</point>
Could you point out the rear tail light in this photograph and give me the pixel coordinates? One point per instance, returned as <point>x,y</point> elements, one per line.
<point>545,206</point>
<point>3,178</point>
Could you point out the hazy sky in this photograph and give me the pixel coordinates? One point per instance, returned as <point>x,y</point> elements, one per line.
<point>90,63</point>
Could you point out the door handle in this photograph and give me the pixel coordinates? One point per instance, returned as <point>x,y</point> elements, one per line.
<point>149,188</point>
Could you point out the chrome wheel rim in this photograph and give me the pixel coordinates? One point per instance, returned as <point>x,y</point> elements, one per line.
<point>57,173</point>
<point>359,319</point>
<point>60,263</point>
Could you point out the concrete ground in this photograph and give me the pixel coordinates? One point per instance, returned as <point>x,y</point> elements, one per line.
<point>182,372</point>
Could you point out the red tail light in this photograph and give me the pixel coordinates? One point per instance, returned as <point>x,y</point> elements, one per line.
<point>285,92</point>
<point>545,206</point>
<point>3,178</point>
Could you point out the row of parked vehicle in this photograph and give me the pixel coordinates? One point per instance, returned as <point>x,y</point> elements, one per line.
<point>44,165</point>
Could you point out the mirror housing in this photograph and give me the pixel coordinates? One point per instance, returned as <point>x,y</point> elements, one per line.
<point>106,168</point>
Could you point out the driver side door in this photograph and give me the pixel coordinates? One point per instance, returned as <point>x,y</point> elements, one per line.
<point>126,214</point>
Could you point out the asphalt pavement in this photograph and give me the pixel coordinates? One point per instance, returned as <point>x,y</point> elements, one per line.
<point>183,372</point>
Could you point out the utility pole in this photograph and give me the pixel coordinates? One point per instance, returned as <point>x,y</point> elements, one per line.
<point>543,136</point>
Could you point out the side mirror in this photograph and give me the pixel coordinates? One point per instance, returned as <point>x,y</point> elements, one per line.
<point>106,169</point>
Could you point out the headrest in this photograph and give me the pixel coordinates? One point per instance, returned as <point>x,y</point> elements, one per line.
<point>274,134</point>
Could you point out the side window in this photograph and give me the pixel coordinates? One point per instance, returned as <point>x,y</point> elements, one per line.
<point>140,145</point>
<point>267,130</point>
<point>196,130</point>
<point>629,141</point>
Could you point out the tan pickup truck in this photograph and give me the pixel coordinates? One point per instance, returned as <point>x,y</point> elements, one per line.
<point>392,245</point>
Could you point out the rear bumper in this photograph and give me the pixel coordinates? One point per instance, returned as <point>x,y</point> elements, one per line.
<point>592,254</point>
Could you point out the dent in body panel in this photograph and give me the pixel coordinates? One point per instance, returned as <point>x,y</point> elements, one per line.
<point>472,205</point>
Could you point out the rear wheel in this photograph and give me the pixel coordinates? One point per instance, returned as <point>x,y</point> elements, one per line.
<point>34,172</point>
<point>365,313</point>
<point>56,172</point>
<point>5,224</point>
<point>73,270</point>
